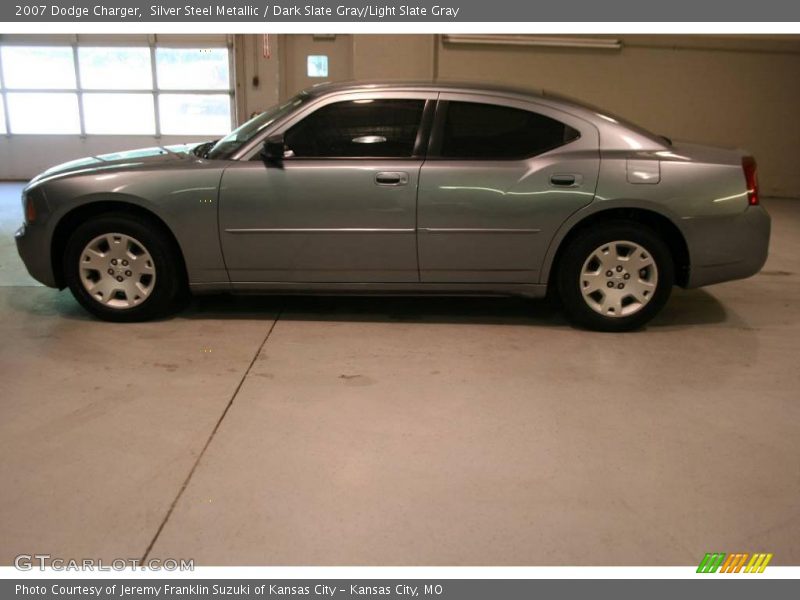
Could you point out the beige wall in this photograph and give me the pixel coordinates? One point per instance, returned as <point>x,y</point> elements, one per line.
<point>370,56</point>
<point>738,91</point>
<point>295,50</point>
<point>393,56</point>
<point>250,62</point>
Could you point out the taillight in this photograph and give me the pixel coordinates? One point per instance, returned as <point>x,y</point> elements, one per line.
<point>751,178</point>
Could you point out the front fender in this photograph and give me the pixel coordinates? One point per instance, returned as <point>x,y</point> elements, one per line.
<point>184,200</point>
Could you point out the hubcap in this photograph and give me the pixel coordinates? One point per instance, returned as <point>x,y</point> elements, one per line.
<point>618,279</point>
<point>117,270</point>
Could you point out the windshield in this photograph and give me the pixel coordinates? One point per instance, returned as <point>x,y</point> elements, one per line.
<point>241,135</point>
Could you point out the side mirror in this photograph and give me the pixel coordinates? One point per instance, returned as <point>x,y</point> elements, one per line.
<point>274,147</point>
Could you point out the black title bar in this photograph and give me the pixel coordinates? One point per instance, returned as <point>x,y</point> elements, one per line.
<point>460,11</point>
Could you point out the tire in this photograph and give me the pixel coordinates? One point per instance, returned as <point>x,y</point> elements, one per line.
<point>615,276</point>
<point>146,279</point>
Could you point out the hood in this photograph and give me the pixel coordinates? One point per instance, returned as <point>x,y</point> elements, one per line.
<point>117,160</point>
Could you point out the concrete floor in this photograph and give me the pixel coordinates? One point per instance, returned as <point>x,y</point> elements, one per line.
<point>273,431</point>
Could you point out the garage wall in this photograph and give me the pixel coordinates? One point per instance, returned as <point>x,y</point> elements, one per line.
<point>408,57</point>
<point>394,57</point>
<point>257,73</point>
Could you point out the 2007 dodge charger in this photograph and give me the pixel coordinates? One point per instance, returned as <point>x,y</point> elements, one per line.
<point>395,188</point>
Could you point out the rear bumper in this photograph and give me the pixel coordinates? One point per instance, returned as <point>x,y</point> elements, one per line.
<point>34,250</point>
<point>727,248</point>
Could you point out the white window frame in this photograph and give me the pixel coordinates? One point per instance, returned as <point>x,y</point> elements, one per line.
<point>152,43</point>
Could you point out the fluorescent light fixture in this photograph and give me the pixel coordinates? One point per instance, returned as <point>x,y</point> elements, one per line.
<point>542,41</point>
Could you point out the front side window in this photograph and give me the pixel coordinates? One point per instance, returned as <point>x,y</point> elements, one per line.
<point>358,129</point>
<point>488,131</point>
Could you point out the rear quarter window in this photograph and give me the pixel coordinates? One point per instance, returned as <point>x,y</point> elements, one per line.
<point>489,131</point>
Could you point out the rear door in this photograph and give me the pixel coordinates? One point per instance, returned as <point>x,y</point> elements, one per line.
<point>500,178</point>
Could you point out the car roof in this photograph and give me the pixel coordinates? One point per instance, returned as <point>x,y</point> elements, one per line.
<point>442,85</point>
<point>529,93</point>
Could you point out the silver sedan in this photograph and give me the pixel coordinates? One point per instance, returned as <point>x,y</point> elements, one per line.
<point>394,188</point>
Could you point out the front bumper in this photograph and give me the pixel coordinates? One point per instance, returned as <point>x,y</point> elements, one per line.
<point>34,250</point>
<point>727,248</point>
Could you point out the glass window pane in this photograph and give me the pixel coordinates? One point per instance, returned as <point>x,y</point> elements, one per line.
<point>2,117</point>
<point>115,68</point>
<point>38,67</point>
<point>359,128</point>
<point>195,114</point>
<point>119,114</point>
<point>192,68</point>
<point>43,113</point>
<point>488,131</point>
<point>317,65</point>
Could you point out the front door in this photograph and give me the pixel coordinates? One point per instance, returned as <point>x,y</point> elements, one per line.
<point>340,207</point>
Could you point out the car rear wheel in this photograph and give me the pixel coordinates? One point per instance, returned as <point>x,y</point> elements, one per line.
<point>123,268</point>
<point>615,276</point>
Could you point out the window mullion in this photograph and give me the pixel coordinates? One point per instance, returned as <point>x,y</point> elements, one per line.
<point>5,99</point>
<point>78,89</point>
<point>154,74</point>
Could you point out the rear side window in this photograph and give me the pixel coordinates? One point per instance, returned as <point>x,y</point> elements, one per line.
<point>358,128</point>
<point>488,131</point>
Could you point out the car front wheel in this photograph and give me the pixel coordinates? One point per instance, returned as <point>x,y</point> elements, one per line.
<point>615,276</point>
<point>123,268</point>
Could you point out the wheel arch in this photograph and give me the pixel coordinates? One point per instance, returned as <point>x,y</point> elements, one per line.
<point>662,224</point>
<point>96,207</point>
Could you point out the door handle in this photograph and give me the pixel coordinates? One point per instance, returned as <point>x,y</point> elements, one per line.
<point>391,178</point>
<point>566,180</point>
